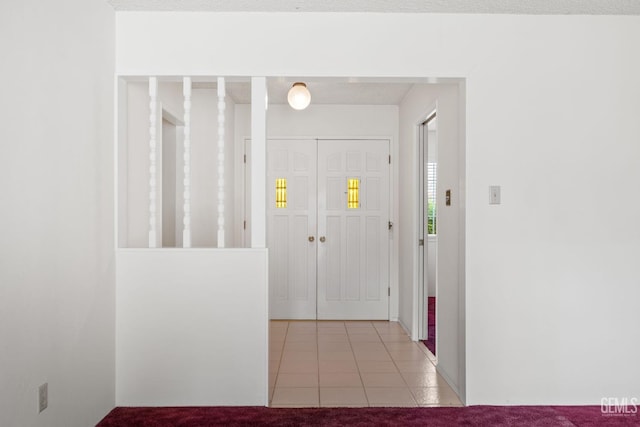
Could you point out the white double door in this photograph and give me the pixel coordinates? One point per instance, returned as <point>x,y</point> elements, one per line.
<point>328,229</point>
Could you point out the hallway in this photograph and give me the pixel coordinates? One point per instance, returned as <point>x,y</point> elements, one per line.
<point>351,363</point>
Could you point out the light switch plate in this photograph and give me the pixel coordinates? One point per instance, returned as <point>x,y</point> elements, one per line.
<point>494,195</point>
<point>43,397</point>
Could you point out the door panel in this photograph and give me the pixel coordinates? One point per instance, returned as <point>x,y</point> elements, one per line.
<point>292,256</point>
<point>353,259</point>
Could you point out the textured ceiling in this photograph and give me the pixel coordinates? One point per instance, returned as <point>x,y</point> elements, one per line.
<point>533,7</point>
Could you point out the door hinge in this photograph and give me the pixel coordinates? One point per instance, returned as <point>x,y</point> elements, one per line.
<point>244,225</point>
<point>421,242</point>
<point>388,292</point>
<point>390,225</point>
<point>245,158</point>
<point>389,158</point>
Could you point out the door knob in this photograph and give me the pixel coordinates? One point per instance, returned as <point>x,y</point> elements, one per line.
<point>311,238</point>
<point>322,239</point>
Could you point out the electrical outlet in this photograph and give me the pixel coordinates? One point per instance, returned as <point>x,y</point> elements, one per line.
<point>43,397</point>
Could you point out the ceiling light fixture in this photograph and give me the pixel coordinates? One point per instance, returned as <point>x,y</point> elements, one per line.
<point>299,96</point>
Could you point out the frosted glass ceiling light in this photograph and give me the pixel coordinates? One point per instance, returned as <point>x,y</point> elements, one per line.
<point>299,96</point>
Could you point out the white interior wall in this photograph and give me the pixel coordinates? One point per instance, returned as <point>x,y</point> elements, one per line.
<point>534,271</point>
<point>57,299</point>
<point>335,121</point>
<point>415,107</point>
<point>204,162</point>
<point>191,327</point>
<point>169,160</point>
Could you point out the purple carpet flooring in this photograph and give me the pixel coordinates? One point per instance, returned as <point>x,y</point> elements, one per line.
<point>430,342</point>
<point>449,416</point>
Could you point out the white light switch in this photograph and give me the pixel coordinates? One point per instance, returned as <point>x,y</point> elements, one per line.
<point>494,195</point>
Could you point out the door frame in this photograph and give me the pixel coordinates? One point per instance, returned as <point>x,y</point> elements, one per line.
<point>242,227</point>
<point>423,248</point>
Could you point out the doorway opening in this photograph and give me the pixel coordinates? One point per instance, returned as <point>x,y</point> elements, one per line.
<point>428,242</point>
<point>328,231</point>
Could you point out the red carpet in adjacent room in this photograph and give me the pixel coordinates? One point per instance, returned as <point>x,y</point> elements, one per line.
<point>450,416</point>
<point>430,342</point>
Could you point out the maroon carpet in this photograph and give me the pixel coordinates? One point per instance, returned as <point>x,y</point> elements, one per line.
<point>469,416</point>
<point>430,342</point>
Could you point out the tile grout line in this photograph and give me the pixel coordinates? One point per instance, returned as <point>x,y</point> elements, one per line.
<point>284,342</point>
<point>364,390</point>
<point>398,368</point>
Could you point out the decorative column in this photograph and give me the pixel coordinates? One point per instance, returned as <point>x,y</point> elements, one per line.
<point>221,193</point>
<point>186,232</point>
<point>153,105</point>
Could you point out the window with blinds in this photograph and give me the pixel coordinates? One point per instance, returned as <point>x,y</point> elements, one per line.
<point>432,176</point>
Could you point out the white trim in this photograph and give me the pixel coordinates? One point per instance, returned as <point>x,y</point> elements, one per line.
<point>419,303</point>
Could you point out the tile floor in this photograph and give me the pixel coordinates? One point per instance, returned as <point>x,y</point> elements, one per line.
<point>351,363</point>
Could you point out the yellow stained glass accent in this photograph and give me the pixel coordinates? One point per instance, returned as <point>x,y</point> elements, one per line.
<point>281,192</point>
<point>353,194</point>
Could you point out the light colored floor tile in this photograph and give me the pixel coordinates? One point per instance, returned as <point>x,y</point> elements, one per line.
<point>437,405</point>
<point>376,366</point>
<point>335,355</point>
<point>368,346</point>
<point>302,338</point>
<point>394,338</point>
<point>305,358</point>
<point>435,396</point>
<point>394,405</point>
<point>413,354</point>
<point>373,356</point>
<point>275,355</point>
<point>344,338</point>
<point>302,323</point>
<point>299,367</point>
<point>423,379</point>
<point>387,326</point>
<point>292,356</point>
<point>327,366</point>
<point>390,396</point>
<point>338,326</point>
<point>296,396</point>
<point>315,405</point>
<point>297,380</point>
<point>415,366</point>
<point>334,346</point>
<point>340,379</point>
<point>402,346</point>
<point>343,396</point>
<point>276,344</point>
<point>358,338</point>
<point>300,346</point>
<point>358,324</point>
<point>330,323</point>
<point>382,379</point>
<point>332,331</point>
